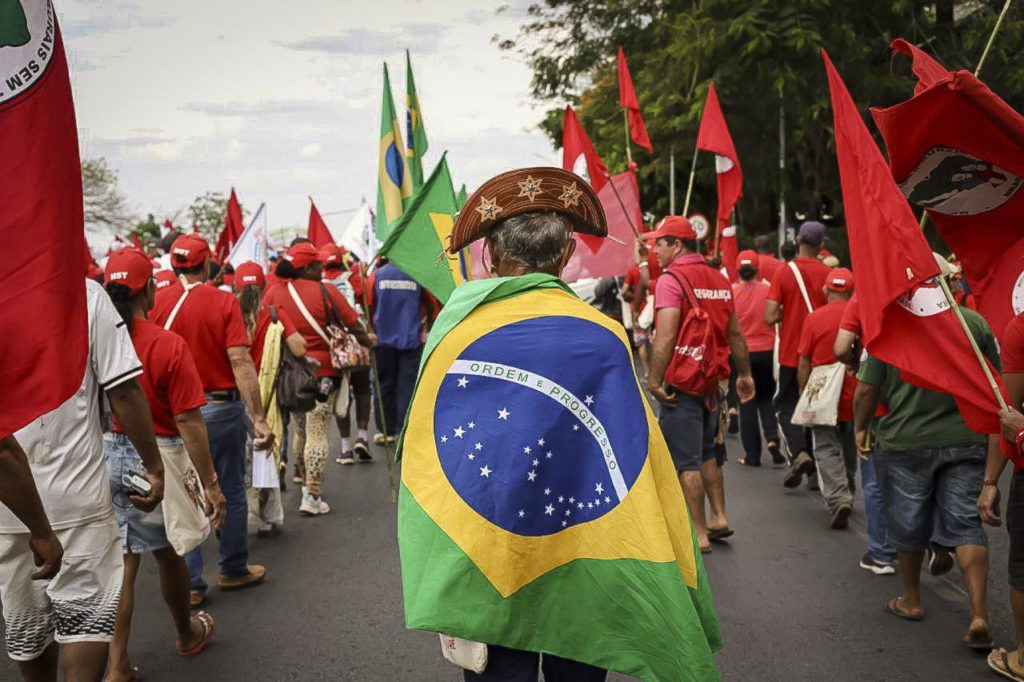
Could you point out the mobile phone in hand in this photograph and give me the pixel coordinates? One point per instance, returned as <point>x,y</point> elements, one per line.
<point>137,483</point>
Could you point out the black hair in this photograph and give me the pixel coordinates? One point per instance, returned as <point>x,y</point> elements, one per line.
<point>121,296</point>
<point>690,244</point>
<point>168,239</point>
<point>286,269</point>
<point>788,251</point>
<point>300,240</point>
<point>194,270</point>
<point>747,272</point>
<point>250,298</point>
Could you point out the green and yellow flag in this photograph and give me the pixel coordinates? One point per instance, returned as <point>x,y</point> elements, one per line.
<point>539,506</point>
<point>418,240</point>
<point>417,143</point>
<point>394,185</point>
<point>462,196</point>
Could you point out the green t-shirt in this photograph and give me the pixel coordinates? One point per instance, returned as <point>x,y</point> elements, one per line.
<point>918,418</point>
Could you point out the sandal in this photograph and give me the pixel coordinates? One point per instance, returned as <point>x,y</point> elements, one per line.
<point>893,607</point>
<point>981,640</point>
<point>999,661</point>
<point>716,534</point>
<point>209,627</point>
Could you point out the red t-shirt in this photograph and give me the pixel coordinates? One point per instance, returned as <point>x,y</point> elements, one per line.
<point>750,299</point>
<point>817,341</point>
<point>711,289</point>
<point>851,317</point>
<point>259,334</point>
<point>786,292</point>
<point>169,376</point>
<point>768,265</point>
<point>210,321</point>
<point>1013,346</point>
<point>312,297</point>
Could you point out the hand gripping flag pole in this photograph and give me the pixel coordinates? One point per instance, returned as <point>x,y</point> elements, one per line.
<point>376,388</point>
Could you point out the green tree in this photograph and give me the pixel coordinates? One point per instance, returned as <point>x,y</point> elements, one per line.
<point>207,213</point>
<point>147,228</point>
<point>763,55</point>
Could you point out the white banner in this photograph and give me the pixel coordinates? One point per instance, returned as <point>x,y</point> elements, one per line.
<point>252,245</point>
<point>357,236</point>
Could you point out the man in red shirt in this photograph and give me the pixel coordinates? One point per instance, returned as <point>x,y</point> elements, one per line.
<point>797,290</point>
<point>835,452</point>
<point>210,321</point>
<point>750,294</point>
<point>768,264</point>
<point>638,285</point>
<point>690,422</point>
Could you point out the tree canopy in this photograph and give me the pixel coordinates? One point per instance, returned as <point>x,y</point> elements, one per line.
<point>763,55</point>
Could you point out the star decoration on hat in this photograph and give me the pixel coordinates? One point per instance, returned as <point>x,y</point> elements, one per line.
<point>489,208</point>
<point>529,187</point>
<point>570,195</point>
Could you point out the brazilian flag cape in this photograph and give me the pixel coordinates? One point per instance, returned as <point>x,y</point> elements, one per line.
<point>539,507</point>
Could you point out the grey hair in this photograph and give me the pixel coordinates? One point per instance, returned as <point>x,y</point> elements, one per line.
<point>535,240</point>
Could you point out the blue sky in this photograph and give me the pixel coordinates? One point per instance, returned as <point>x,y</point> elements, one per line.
<point>282,99</point>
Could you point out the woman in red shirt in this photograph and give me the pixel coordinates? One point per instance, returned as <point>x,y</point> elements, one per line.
<point>175,395</point>
<point>312,306</point>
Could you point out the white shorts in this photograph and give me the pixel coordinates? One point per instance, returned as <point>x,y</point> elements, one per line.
<point>78,605</point>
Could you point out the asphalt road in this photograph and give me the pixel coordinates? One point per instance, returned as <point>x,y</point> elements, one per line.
<point>792,601</point>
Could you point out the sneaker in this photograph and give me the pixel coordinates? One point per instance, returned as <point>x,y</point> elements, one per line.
<point>378,438</point>
<point>938,560</point>
<point>313,505</point>
<point>841,516</point>
<point>268,530</point>
<point>253,577</point>
<point>812,481</point>
<point>776,452</point>
<point>800,467</point>
<point>297,476</point>
<point>877,567</point>
<point>346,458</point>
<point>362,450</point>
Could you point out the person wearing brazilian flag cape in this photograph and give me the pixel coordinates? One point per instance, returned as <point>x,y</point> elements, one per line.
<point>540,514</point>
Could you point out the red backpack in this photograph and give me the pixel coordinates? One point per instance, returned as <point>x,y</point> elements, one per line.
<point>693,369</point>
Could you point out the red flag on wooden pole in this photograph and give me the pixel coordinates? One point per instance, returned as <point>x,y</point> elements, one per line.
<point>233,228</point>
<point>43,313</point>
<point>714,137</point>
<point>580,157</point>
<point>629,102</point>
<point>317,231</point>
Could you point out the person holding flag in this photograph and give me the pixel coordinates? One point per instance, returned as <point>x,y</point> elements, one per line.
<point>535,479</point>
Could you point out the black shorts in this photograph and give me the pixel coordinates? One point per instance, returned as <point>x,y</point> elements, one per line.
<point>1015,528</point>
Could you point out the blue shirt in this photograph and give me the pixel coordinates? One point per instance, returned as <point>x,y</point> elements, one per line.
<point>396,308</point>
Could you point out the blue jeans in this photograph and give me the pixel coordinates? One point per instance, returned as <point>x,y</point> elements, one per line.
<point>397,369</point>
<point>874,509</point>
<point>228,429</point>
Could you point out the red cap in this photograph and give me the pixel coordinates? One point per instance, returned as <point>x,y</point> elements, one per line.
<point>129,266</point>
<point>331,255</point>
<point>839,279</point>
<point>676,226</point>
<point>164,278</point>
<point>301,255</point>
<point>188,251</point>
<point>748,258</point>
<point>249,274</point>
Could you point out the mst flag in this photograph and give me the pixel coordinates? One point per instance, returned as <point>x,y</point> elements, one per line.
<point>418,240</point>
<point>417,134</point>
<point>317,231</point>
<point>43,316</point>
<point>580,157</point>
<point>539,507</point>
<point>714,137</point>
<point>897,291</point>
<point>629,102</point>
<point>232,228</point>
<point>394,184</point>
<point>957,150</point>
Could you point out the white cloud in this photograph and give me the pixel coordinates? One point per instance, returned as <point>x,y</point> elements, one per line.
<point>310,151</point>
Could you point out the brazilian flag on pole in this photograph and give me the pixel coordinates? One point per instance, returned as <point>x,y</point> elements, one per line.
<point>539,507</point>
<point>417,145</point>
<point>418,240</point>
<point>462,197</point>
<point>394,186</point>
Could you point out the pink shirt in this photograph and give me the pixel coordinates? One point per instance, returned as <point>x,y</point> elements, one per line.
<point>750,299</point>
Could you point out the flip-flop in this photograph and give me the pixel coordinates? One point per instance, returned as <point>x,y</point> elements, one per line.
<point>209,627</point>
<point>999,661</point>
<point>893,607</point>
<point>975,645</point>
<point>720,533</point>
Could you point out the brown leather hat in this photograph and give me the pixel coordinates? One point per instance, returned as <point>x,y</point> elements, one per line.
<point>526,190</point>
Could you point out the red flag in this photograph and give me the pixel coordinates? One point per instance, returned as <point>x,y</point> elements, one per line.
<point>714,137</point>
<point>613,259</point>
<point>898,296</point>
<point>233,228</point>
<point>43,314</point>
<point>580,157</point>
<point>957,150</point>
<point>135,240</point>
<point>317,231</point>
<point>629,102</point>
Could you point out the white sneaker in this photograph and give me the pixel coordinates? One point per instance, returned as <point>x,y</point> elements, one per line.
<point>313,505</point>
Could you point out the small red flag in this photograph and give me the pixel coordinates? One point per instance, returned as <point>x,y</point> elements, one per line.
<point>957,150</point>
<point>713,136</point>
<point>580,157</point>
<point>43,317</point>
<point>897,293</point>
<point>317,231</point>
<point>629,102</point>
<point>233,228</point>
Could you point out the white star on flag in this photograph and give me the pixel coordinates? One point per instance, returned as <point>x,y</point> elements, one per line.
<point>540,441</point>
<point>564,524</point>
<point>575,427</point>
<point>459,431</point>
<point>598,501</point>
<point>485,471</point>
<point>471,456</point>
<point>580,505</point>
<point>599,488</point>
<point>607,499</point>
<point>503,414</point>
<point>462,382</point>
<point>568,511</point>
<point>521,513</point>
<point>472,425</point>
<point>547,491</point>
<point>527,450</point>
<point>550,454</point>
<point>532,476</point>
<point>444,439</point>
<point>590,505</point>
<point>536,462</point>
<point>571,500</point>
<point>549,510</point>
<point>590,400</point>
<point>561,499</point>
<point>479,446</point>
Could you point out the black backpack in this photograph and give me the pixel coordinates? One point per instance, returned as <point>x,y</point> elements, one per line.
<point>295,383</point>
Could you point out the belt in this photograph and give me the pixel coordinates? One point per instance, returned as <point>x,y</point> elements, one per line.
<point>224,395</point>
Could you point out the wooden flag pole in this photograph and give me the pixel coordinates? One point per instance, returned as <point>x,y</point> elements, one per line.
<point>974,344</point>
<point>689,185</point>
<point>625,124</point>
<point>624,211</point>
<point>376,388</point>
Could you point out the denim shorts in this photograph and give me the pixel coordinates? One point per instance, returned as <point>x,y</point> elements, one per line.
<point>932,494</point>
<point>689,428</point>
<point>140,531</point>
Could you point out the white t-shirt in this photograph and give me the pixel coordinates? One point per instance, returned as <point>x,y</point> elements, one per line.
<point>65,446</point>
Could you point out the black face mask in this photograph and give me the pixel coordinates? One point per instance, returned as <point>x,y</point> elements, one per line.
<point>747,273</point>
